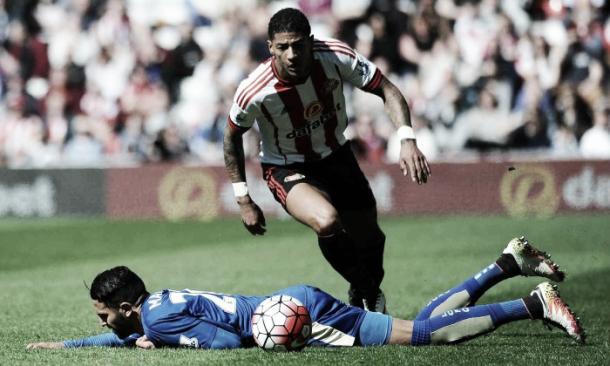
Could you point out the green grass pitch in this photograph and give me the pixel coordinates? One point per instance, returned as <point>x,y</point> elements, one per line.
<point>43,265</point>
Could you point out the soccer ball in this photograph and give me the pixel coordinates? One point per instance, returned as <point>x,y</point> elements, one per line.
<point>281,323</point>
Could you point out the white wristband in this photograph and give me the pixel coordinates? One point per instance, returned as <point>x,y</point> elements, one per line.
<point>240,189</point>
<point>405,132</point>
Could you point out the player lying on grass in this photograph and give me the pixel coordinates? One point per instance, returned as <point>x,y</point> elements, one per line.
<point>212,320</point>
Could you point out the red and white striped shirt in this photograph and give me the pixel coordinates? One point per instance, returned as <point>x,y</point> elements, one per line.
<point>302,122</point>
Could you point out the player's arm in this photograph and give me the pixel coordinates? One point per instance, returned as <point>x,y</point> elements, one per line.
<point>412,161</point>
<point>235,164</point>
<point>101,340</point>
<point>363,74</point>
<point>45,345</point>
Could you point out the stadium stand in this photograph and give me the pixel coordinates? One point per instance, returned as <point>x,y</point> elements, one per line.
<point>97,83</point>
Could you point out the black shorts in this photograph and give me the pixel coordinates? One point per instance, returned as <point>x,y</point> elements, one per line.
<point>338,175</point>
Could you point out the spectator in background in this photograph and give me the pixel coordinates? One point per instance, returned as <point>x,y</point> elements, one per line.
<point>367,144</point>
<point>169,146</point>
<point>572,109</point>
<point>595,142</point>
<point>181,61</point>
<point>483,126</point>
<point>531,135</point>
<point>84,149</point>
<point>21,132</point>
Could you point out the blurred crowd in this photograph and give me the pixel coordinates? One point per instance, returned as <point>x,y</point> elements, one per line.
<point>115,83</point>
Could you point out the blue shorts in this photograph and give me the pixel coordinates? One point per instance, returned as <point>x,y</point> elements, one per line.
<point>335,323</point>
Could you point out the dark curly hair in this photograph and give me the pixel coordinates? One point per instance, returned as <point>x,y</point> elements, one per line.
<point>288,20</point>
<point>117,285</point>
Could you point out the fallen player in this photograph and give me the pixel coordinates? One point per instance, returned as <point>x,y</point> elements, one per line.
<point>220,321</point>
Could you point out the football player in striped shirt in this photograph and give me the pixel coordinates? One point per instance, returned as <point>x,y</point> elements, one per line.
<point>296,99</point>
<point>210,320</point>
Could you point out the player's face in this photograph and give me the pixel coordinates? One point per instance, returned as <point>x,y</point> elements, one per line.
<point>114,319</point>
<point>293,54</point>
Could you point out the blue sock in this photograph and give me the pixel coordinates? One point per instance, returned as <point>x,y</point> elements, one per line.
<point>461,324</point>
<point>465,294</point>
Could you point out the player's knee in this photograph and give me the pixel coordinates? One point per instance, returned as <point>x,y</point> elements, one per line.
<point>326,222</point>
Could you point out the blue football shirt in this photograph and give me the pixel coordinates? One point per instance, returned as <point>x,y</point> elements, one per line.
<point>199,319</point>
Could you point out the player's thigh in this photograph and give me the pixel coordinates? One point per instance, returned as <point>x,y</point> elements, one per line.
<point>299,292</point>
<point>319,303</point>
<point>311,206</point>
<point>347,185</point>
<point>298,189</point>
<point>335,323</point>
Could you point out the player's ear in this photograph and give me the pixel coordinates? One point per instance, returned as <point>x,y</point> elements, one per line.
<point>126,308</point>
<point>270,46</point>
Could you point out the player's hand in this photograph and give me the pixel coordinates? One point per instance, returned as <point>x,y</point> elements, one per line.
<point>412,161</point>
<point>252,216</point>
<point>45,345</point>
<point>144,343</point>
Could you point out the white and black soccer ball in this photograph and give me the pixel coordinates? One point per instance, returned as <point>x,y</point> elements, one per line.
<point>281,323</point>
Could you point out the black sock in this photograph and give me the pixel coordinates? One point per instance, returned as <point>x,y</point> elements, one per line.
<point>508,264</point>
<point>371,255</point>
<point>534,306</point>
<point>340,251</point>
